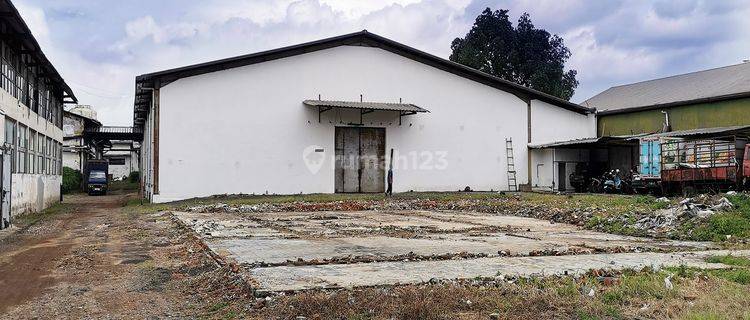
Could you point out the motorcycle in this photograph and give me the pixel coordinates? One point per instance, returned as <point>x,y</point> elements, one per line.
<point>612,182</point>
<point>596,185</point>
<point>615,183</point>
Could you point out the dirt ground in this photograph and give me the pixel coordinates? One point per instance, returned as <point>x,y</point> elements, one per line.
<point>95,258</point>
<point>95,261</point>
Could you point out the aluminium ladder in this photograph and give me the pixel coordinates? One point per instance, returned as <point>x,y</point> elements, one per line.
<point>512,185</point>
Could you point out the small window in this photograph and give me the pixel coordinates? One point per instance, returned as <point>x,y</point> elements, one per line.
<point>119,161</point>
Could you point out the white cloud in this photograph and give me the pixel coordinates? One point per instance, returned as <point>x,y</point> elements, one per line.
<point>601,63</point>
<point>101,48</point>
<point>37,22</point>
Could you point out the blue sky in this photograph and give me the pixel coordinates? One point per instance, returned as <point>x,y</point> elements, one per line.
<point>99,46</point>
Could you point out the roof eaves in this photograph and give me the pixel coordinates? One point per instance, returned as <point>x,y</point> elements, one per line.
<point>360,38</point>
<point>28,36</point>
<point>676,104</point>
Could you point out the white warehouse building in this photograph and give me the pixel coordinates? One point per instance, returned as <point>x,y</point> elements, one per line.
<point>32,94</point>
<point>333,115</point>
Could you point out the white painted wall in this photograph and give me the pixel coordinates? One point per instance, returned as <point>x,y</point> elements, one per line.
<point>550,124</point>
<point>30,192</point>
<point>131,160</point>
<point>244,130</point>
<point>72,159</point>
<point>34,192</point>
<point>553,124</point>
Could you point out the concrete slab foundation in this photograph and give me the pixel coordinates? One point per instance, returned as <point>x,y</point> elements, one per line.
<point>289,278</point>
<point>305,250</point>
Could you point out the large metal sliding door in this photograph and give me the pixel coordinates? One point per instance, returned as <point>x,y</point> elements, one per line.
<point>360,159</point>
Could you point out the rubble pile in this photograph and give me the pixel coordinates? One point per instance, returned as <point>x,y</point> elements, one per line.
<point>661,223</point>
<point>206,227</point>
<point>499,205</point>
<point>351,259</point>
<point>665,222</point>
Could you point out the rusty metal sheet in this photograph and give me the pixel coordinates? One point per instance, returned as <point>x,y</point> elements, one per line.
<point>372,160</point>
<point>360,159</point>
<point>407,107</point>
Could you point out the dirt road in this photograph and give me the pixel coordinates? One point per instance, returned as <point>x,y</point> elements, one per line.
<point>96,261</point>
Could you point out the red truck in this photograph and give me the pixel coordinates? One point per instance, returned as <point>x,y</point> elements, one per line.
<point>688,166</point>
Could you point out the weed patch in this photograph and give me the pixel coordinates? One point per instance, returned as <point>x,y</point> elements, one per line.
<point>730,260</point>
<point>741,276</point>
<point>30,219</point>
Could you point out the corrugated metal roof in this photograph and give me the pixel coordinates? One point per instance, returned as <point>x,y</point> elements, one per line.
<point>702,132</point>
<point>365,105</point>
<point>566,143</point>
<point>583,142</point>
<point>726,82</point>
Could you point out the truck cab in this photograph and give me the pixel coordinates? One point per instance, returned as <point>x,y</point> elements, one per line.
<point>97,177</point>
<point>97,182</point>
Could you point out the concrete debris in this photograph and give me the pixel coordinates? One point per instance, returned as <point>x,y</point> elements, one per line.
<point>724,204</point>
<point>668,282</point>
<point>374,258</point>
<point>608,280</point>
<point>665,222</point>
<point>661,223</point>
<point>589,291</point>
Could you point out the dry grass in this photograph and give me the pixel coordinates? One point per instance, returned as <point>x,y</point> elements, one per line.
<point>697,295</point>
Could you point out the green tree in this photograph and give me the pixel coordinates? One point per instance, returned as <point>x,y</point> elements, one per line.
<point>524,54</point>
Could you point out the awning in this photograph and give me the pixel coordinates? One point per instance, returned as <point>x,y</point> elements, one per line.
<point>404,109</point>
<point>703,133</point>
<point>584,142</point>
<point>408,107</point>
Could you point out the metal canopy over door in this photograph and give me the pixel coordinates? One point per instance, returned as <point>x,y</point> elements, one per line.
<point>360,159</point>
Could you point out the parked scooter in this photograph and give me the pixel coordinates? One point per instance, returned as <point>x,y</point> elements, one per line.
<point>614,182</point>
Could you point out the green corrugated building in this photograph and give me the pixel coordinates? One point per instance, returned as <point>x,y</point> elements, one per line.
<point>705,99</point>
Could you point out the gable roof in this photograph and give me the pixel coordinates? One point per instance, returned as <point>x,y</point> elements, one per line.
<point>145,82</point>
<point>80,116</point>
<point>711,85</point>
<point>20,35</point>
